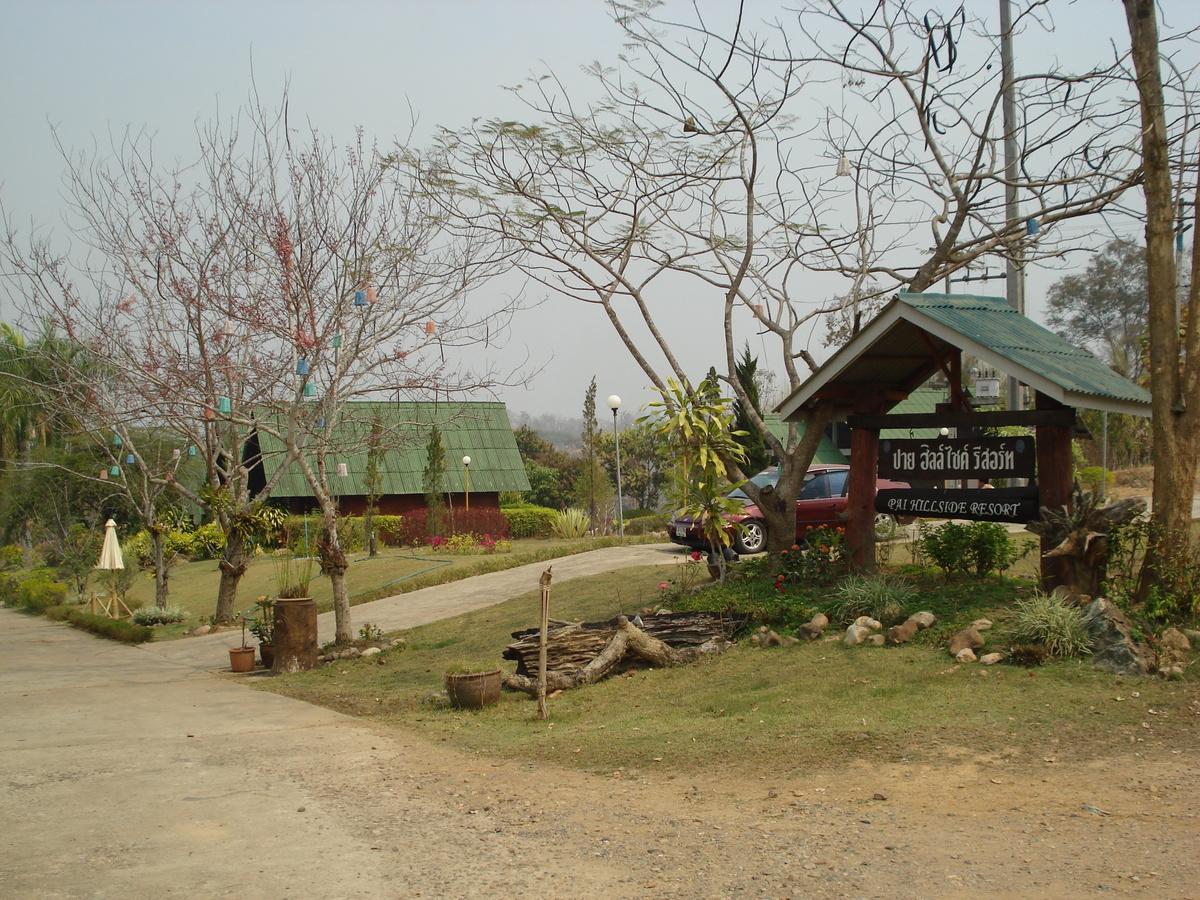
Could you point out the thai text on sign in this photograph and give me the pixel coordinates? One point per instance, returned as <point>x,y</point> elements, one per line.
<point>986,457</point>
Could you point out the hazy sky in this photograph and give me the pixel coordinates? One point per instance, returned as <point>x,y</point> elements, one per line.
<point>94,67</point>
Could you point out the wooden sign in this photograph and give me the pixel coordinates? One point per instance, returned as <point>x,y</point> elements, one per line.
<point>956,458</point>
<point>978,505</point>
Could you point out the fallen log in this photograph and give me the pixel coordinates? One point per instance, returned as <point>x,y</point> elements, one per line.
<point>625,642</point>
<point>571,646</point>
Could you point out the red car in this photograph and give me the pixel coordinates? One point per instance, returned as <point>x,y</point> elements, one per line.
<point>822,501</point>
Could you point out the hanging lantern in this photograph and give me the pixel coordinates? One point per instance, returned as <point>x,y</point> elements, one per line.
<point>115,471</point>
<point>321,422</point>
<point>175,454</point>
<point>371,295</point>
<point>191,451</point>
<point>168,476</point>
<point>430,327</point>
<point>208,413</point>
<point>758,310</point>
<point>302,367</point>
<point>129,460</point>
<point>117,440</point>
<point>104,475</point>
<point>843,167</point>
<point>360,298</point>
<point>229,328</point>
<point>342,470</point>
<point>310,390</point>
<point>1032,226</point>
<point>225,405</point>
<point>337,341</point>
<point>1179,242</point>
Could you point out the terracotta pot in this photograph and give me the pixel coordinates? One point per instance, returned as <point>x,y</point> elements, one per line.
<point>266,653</point>
<point>241,659</point>
<point>475,690</point>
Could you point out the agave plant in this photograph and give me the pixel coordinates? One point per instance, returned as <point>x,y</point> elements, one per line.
<point>571,523</point>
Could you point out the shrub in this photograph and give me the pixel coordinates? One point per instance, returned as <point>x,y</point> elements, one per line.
<point>1095,478</point>
<point>484,520</point>
<point>11,557</point>
<point>881,597</point>
<point>981,547</point>
<point>9,585</point>
<point>117,629</point>
<point>1045,620</point>
<point>206,542</point>
<point>387,530</point>
<point>820,560</point>
<point>571,523</point>
<point>153,615</point>
<point>645,524</point>
<point>527,520</point>
<point>38,594</point>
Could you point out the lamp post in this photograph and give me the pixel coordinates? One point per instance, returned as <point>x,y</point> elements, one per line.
<point>614,403</point>
<point>467,480</point>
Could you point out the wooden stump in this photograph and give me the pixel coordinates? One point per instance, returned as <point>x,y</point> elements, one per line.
<point>295,635</point>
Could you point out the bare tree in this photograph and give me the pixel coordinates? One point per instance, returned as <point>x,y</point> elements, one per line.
<point>713,158</point>
<point>1169,163</point>
<point>260,290</point>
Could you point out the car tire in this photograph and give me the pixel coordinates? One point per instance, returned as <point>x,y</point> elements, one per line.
<point>751,537</point>
<point>885,526</point>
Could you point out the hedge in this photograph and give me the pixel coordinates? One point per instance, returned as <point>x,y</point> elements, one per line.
<point>39,594</point>
<point>413,529</point>
<point>116,629</point>
<point>526,520</point>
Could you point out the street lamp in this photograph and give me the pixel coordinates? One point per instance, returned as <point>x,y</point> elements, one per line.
<point>467,480</point>
<point>614,403</point>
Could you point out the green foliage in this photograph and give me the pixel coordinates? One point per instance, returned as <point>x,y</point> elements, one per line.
<point>154,615</point>
<point>115,629</point>
<point>1045,620</point>
<point>882,597</point>
<point>432,482</point>
<point>822,559</point>
<point>758,455</point>
<point>9,585</point>
<point>370,632</point>
<point>645,524</point>
<point>979,547</point>
<point>11,557</point>
<point>593,490</point>
<point>1176,596</point>
<point>526,520</point>
<point>38,593</point>
<point>1096,479</point>
<point>571,524</point>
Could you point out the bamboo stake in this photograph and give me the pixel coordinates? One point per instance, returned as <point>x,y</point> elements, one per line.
<point>544,581</point>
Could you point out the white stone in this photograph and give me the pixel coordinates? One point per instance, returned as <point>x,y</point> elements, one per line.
<point>990,659</point>
<point>372,651</point>
<point>965,655</point>
<point>868,623</point>
<point>855,635</point>
<point>923,619</point>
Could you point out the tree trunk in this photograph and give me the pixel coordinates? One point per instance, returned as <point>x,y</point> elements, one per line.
<point>161,572</point>
<point>1174,365</point>
<point>233,566</point>
<point>334,564</point>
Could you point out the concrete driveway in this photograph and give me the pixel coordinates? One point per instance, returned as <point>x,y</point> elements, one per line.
<point>138,773</point>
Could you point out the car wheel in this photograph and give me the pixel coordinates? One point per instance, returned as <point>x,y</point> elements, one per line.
<point>885,526</point>
<point>751,537</point>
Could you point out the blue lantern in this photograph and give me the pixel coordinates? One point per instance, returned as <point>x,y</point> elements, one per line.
<point>360,298</point>
<point>224,405</point>
<point>310,390</point>
<point>191,451</point>
<point>1032,226</point>
<point>321,422</point>
<point>302,367</point>
<point>114,471</point>
<point>129,460</point>
<point>117,442</point>
<point>337,341</point>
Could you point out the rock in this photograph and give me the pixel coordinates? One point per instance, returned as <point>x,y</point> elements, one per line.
<point>1192,635</point>
<point>877,640</point>
<point>790,641</point>
<point>868,623</point>
<point>990,659</point>
<point>966,639</point>
<point>1174,639</point>
<point>923,619</point>
<point>771,639</point>
<point>203,629</point>
<point>350,653</point>
<point>899,634</point>
<point>1113,648</point>
<point>372,651</point>
<point>981,624</point>
<point>965,655</point>
<point>1172,673</point>
<point>812,629</point>
<point>879,796</point>
<point>855,635</point>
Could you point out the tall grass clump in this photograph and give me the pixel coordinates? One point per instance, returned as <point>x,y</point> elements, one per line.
<point>153,615</point>
<point>1045,620</point>
<point>571,524</point>
<point>881,597</point>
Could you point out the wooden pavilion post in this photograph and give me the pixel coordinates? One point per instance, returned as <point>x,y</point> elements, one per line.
<point>860,499</point>
<point>1056,478</point>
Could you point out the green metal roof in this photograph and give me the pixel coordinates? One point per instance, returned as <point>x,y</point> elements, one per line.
<point>922,400</point>
<point>901,347</point>
<point>827,452</point>
<point>477,429</point>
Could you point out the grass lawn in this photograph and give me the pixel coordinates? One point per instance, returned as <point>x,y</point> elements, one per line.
<point>785,710</point>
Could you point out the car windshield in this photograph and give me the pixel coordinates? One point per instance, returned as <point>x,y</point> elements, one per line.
<point>762,479</point>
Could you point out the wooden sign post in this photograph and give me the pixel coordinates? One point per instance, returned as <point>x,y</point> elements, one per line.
<point>543,626</point>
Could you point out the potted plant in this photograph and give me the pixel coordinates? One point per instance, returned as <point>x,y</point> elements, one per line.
<point>472,689</point>
<point>262,626</point>
<point>241,659</point>
<point>293,574</point>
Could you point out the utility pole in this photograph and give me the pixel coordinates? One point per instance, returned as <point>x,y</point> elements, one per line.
<point>1014,267</point>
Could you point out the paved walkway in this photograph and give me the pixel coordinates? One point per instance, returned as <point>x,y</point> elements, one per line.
<point>135,773</point>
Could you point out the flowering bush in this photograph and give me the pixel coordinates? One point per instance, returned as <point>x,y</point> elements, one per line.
<point>821,560</point>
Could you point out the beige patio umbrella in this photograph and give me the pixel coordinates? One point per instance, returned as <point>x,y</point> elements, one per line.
<point>110,559</point>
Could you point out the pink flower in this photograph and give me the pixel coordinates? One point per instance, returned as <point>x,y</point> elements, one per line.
<point>663,585</point>
<point>696,555</point>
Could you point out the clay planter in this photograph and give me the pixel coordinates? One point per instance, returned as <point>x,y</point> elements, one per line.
<point>474,690</point>
<point>295,635</point>
<point>241,659</point>
<point>266,653</point>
